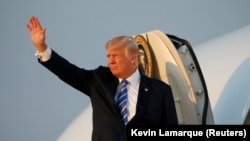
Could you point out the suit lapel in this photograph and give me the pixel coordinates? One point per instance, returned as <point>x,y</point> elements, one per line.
<point>143,96</point>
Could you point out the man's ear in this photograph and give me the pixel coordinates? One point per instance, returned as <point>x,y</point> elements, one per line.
<point>133,59</point>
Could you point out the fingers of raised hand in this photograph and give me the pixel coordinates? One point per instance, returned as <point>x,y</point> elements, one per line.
<point>34,24</point>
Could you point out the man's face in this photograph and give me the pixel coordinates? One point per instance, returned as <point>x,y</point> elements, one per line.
<point>120,65</point>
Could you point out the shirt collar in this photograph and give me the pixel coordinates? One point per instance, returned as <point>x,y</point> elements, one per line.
<point>134,78</point>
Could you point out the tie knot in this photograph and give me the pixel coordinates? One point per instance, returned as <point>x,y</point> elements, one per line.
<point>124,82</point>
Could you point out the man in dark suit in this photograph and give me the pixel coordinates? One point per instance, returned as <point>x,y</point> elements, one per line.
<point>149,101</point>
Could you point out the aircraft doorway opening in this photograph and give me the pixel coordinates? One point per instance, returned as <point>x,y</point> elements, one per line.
<point>172,60</point>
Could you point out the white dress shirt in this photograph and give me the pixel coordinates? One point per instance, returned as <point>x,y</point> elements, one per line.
<point>133,88</point>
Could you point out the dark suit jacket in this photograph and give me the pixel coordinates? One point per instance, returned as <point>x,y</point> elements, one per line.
<point>155,104</point>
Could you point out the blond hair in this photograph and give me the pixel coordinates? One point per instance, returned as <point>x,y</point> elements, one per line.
<point>131,46</point>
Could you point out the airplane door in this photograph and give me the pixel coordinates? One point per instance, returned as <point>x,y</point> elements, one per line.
<point>172,60</point>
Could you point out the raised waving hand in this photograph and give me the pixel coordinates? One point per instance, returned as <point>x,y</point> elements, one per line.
<point>37,34</point>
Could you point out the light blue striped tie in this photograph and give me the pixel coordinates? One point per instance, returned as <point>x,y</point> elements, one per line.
<point>122,101</point>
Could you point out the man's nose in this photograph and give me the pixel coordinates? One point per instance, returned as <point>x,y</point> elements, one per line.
<point>111,61</point>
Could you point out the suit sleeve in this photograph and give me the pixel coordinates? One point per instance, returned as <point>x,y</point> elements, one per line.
<point>78,78</point>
